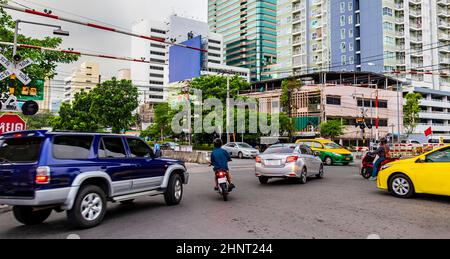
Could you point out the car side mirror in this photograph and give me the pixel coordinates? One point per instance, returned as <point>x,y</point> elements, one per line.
<point>421,159</point>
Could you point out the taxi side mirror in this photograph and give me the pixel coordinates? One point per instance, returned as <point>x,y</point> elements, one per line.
<point>421,159</point>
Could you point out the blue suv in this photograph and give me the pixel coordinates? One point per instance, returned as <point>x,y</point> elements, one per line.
<point>79,173</point>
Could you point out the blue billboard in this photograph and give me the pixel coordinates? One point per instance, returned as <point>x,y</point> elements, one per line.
<point>185,63</point>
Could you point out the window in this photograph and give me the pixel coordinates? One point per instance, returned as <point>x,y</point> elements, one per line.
<point>214,55</point>
<point>350,33</point>
<point>342,20</point>
<point>157,60</point>
<point>158,31</point>
<point>350,46</point>
<point>157,68</point>
<point>138,148</point>
<point>214,41</point>
<point>387,11</point>
<point>157,53</point>
<point>350,6</point>
<point>343,34</point>
<point>214,48</point>
<point>72,147</point>
<point>382,104</point>
<point>334,100</point>
<point>158,46</point>
<point>342,7</point>
<point>389,40</point>
<point>21,150</point>
<point>156,82</point>
<point>388,26</point>
<point>343,47</point>
<point>317,145</point>
<point>111,147</point>
<point>351,60</point>
<point>343,60</point>
<point>440,156</point>
<point>350,19</point>
<point>156,75</point>
<point>306,150</point>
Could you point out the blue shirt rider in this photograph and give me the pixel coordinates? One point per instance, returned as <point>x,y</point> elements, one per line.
<point>219,160</point>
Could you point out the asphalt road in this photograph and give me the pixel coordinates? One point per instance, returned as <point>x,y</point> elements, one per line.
<point>342,205</point>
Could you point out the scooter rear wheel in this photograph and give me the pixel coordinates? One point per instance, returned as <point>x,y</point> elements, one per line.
<point>366,173</point>
<point>224,188</point>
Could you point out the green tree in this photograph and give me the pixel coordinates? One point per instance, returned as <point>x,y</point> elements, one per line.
<point>288,86</point>
<point>109,105</point>
<point>113,102</point>
<point>215,86</point>
<point>331,129</point>
<point>162,124</point>
<point>39,121</point>
<point>78,115</point>
<point>45,62</point>
<point>411,112</point>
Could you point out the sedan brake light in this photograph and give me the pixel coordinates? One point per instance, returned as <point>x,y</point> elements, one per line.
<point>258,159</point>
<point>291,159</point>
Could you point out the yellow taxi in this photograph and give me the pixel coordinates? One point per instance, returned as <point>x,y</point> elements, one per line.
<point>330,152</point>
<point>428,173</point>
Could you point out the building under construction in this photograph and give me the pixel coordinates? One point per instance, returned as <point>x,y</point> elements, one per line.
<point>344,96</point>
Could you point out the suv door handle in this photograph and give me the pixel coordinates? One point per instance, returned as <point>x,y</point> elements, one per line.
<point>104,167</point>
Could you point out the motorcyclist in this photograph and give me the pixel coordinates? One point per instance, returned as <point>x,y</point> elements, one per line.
<point>219,160</point>
<point>383,153</point>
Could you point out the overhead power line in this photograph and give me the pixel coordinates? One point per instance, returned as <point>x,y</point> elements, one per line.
<point>97,26</point>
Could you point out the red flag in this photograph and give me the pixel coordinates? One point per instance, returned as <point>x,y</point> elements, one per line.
<point>429,132</point>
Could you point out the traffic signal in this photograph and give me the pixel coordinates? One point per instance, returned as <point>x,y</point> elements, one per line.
<point>30,108</point>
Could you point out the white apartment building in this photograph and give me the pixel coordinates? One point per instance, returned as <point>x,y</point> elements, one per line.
<point>85,77</point>
<point>153,79</point>
<point>366,35</point>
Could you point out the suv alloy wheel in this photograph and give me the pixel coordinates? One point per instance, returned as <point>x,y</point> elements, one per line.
<point>89,208</point>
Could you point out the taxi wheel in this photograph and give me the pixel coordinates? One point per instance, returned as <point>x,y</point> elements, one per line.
<point>328,161</point>
<point>401,186</point>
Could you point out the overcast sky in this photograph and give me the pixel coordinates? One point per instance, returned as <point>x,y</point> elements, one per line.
<point>120,13</point>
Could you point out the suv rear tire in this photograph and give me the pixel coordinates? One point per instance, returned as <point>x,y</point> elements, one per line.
<point>174,192</point>
<point>89,208</point>
<point>27,216</point>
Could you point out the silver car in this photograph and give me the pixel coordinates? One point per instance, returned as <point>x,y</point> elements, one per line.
<point>241,150</point>
<point>288,161</point>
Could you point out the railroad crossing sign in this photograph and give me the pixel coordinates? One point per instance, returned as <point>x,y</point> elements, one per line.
<point>15,69</point>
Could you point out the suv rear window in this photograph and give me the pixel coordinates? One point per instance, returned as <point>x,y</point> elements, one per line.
<point>72,147</point>
<point>111,147</point>
<point>20,150</point>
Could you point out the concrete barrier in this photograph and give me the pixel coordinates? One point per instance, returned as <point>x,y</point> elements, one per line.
<point>199,157</point>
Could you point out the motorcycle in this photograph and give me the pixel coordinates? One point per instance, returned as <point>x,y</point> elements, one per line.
<point>368,163</point>
<point>222,180</point>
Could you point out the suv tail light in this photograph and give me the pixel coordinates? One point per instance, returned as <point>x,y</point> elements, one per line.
<point>291,159</point>
<point>43,175</point>
<point>258,159</point>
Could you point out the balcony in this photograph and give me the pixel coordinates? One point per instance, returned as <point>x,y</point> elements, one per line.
<point>400,34</point>
<point>435,116</point>
<point>416,39</point>
<point>444,60</point>
<point>443,12</point>
<point>443,2</point>
<point>415,13</point>
<point>443,36</point>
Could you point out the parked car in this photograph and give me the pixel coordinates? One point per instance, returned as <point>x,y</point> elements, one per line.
<point>78,173</point>
<point>170,146</point>
<point>330,152</point>
<point>289,161</point>
<point>428,173</point>
<point>241,150</point>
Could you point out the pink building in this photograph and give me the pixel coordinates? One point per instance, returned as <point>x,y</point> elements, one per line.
<point>344,96</point>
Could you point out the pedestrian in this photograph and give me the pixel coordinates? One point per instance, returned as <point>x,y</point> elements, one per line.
<point>157,148</point>
<point>383,153</point>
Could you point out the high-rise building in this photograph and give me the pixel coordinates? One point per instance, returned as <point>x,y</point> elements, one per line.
<point>395,35</point>
<point>85,77</point>
<point>154,79</point>
<point>367,35</point>
<point>249,31</point>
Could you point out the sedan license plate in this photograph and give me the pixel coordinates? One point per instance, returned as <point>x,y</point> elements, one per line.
<point>222,180</point>
<point>273,162</point>
<point>347,158</point>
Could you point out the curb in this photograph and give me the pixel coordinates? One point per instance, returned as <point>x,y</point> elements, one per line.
<point>5,208</point>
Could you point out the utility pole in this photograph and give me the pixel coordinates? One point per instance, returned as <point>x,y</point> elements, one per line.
<point>228,108</point>
<point>377,115</point>
<point>398,107</point>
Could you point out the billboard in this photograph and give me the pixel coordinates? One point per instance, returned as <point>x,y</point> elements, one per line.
<point>185,63</point>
